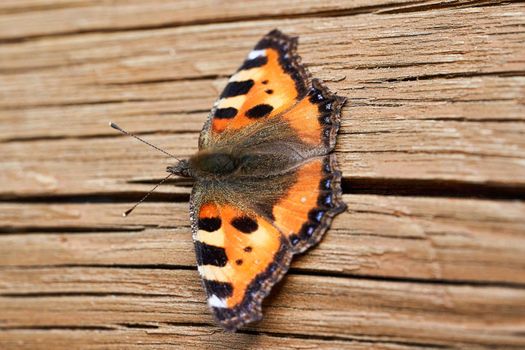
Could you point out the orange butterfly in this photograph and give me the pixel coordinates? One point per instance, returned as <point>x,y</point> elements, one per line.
<point>266,181</point>
<point>267,185</point>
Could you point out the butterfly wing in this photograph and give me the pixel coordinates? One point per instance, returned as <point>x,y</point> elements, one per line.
<point>269,82</point>
<point>305,211</point>
<point>240,256</point>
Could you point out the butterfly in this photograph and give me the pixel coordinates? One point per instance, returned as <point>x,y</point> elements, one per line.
<point>266,181</point>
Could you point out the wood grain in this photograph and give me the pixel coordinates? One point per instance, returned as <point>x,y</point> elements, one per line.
<point>450,109</point>
<point>428,314</point>
<point>62,16</point>
<point>429,254</point>
<point>401,237</point>
<point>135,336</point>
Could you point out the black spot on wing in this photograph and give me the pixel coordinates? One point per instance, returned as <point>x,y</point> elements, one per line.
<point>245,224</point>
<point>325,203</point>
<point>316,96</point>
<point>326,200</point>
<point>209,224</point>
<point>236,88</point>
<point>307,230</point>
<point>220,289</point>
<point>327,167</point>
<point>326,183</point>
<point>316,215</point>
<point>294,239</point>
<point>254,63</point>
<point>259,111</point>
<point>225,113</point>
<point>210,255</point>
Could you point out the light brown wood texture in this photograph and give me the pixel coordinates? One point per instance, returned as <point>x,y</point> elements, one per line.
<point>429,254</point>
<point>423,238</point>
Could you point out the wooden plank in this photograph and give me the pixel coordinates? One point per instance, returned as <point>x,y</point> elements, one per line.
<point>62,16</point>
<point>186,112</point>
<point>435,110</point>
<point>402,237</point>
<point>393,128</point>
<point>458,151</point>
<point>379,56</point>
<point>367,50</point>
<point>135,336</point>
<point>428,314</point>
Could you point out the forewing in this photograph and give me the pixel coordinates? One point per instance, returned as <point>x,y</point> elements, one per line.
<point>269,82</point>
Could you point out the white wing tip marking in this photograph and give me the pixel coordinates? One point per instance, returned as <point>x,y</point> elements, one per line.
<point>215,301</point>
<point>256,53</point>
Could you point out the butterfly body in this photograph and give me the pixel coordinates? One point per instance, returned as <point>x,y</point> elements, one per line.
<point>266,181</point>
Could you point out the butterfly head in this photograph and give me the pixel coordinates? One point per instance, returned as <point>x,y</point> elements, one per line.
<point>181,168</point>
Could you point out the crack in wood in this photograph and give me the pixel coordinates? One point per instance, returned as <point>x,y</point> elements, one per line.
<point>105,197</point>
<point>77,104</point>
<point>170,80</point>
<point>361,185</point>
<point>59,327</point>
<point>350,185</point>
<point>473,74</point>
<point>293,271</point>
<point>449,4</point>
<point>106,266</point>
<point>82,294</point>
<point>433,188</point>
<point>470,120</point>
<point>110,134</point>
<point>353,338</point>
<point>15,230</point>
<point>437,281</point>
<point>138,325</point>
<point>199,22</point>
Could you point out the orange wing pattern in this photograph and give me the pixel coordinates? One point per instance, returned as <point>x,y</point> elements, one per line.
<point>305,212</point>
<point>240,257</point>
<point>269,82</point>
<point>315,119</point>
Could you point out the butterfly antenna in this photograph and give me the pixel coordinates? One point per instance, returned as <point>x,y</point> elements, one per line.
<point>127,212</point>
<point>116,127</point>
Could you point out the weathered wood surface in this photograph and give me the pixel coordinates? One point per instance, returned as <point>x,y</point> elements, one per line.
<point>421,238</point>
<point>430,253</point>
